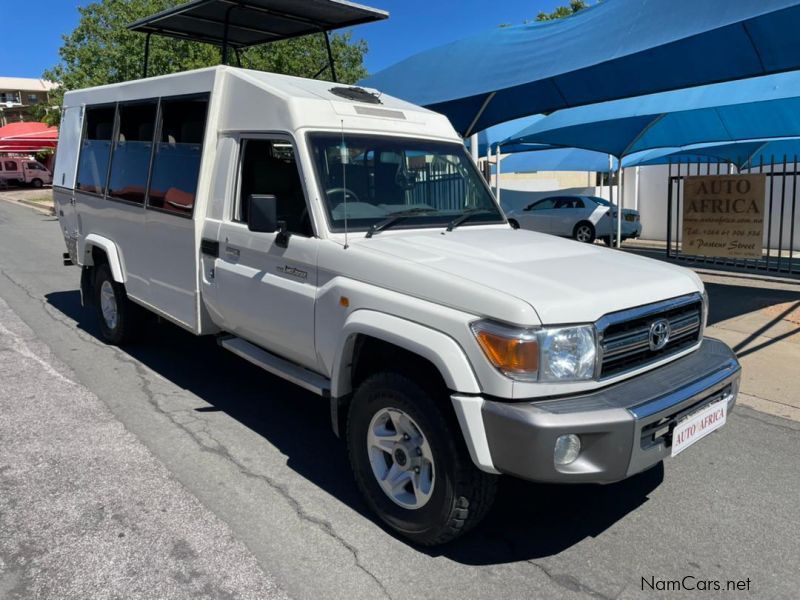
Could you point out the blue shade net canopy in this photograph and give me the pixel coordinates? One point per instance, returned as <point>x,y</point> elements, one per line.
<point>615,49</point>
<point>758,108</point>
<point>747,154</point>
<point>556,159</point>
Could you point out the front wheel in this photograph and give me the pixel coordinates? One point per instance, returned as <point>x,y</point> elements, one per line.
<point>410,463</point>
<point>37,183</point>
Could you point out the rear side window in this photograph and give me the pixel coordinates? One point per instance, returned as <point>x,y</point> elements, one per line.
<point>544,204</point>
<point>95,149</point>
<point>10,165</point>
<point>176,164</point>
<point>131,161</point>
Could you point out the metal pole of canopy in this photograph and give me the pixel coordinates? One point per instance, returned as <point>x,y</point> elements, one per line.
<point>473,147</point>
<point>497,174</point>
<point>610,190</point>
<point>620,199</point>
<point>636,190</point>
<point>146,54</point>
<point>331,62</point>
<point>225,34</point>
<point>238,57</point>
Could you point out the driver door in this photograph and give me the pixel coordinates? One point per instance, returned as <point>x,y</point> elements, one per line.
<point>266,293</point>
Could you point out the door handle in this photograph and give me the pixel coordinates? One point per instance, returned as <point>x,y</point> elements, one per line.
<point>230,250</point>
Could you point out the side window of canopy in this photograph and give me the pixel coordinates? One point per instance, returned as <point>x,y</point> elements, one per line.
<point>95,149</point>
<point>131,159</point>
<point>176,165</point>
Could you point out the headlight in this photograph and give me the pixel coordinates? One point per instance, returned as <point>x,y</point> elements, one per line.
<point>563,354</point>
<point>567,354</point>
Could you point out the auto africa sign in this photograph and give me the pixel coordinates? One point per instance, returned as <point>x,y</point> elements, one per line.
<point>723,215</point>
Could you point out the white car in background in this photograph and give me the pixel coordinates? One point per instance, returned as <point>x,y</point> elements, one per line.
<point>583,218</point>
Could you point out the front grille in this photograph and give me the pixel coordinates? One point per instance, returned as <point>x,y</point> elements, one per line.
<point>625,336</point>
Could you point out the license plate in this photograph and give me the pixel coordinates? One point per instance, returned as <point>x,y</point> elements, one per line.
<point>698,425</point>
<point>629,217</point>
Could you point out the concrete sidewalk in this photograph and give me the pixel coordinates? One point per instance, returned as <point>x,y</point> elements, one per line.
<point>86,511</point>
<point>759,317</point>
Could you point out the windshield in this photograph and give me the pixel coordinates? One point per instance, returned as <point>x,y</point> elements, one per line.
<point>367,179</point>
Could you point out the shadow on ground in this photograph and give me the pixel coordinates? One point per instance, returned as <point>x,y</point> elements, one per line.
<point>727,301</point>
<point>528,520</point>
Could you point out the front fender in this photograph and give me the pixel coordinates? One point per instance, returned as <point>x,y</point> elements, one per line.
<point>441,350</point>
<point>110,248</point>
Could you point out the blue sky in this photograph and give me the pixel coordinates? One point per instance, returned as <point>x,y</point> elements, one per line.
<point>414,25</point>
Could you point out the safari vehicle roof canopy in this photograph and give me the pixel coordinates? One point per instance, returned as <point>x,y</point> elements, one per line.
<point>240,24</point>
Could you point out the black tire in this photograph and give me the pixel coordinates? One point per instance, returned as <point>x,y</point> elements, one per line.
<point>584,232</point>
<point>123,330</point>
<point>37,183</point>
<point>461,494</point>
<point>514,223</point>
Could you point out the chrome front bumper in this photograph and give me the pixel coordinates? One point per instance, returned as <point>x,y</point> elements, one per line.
<point>624,428</point>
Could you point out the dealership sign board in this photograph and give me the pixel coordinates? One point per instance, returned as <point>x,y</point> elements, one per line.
<point>723,215</point>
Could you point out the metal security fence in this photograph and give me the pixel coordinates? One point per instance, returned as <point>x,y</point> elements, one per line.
<point>440,185</point>
<point>780,253</point>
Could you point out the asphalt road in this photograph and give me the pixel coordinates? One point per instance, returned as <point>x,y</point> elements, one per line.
<point>273,483</point>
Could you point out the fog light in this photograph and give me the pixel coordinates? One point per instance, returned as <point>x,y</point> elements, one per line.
<point>567,449</point>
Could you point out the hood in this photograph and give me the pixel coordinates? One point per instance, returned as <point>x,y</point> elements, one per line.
<point>564,281</point>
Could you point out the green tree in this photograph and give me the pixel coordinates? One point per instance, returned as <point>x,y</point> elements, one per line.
<point>101,50</point>
<point>563,11</point>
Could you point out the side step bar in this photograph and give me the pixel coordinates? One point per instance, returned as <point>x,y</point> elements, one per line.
<point>290,371</point>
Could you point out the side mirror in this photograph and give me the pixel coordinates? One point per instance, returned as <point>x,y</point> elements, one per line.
<point>262,213</point>
<point>263,218</point>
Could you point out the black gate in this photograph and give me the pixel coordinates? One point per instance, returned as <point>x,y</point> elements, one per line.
<point>779,254</point>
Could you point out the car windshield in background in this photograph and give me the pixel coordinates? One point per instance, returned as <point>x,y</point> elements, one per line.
<point>369,179</point>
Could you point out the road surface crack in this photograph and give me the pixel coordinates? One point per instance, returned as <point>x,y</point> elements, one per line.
<point>568,582</point>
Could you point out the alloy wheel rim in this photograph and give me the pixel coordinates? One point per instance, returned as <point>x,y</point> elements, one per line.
<point>584,234</point>
<point>401,458</point>
<point>108,304</point>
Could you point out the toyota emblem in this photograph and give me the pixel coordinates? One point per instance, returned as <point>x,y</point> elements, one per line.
<point>659,334</point>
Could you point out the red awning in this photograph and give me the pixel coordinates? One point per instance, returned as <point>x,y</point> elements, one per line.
<point>28,137</point>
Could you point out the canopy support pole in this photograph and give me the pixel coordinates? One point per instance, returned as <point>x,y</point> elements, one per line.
<point>620,199</point>
<point>238,57</point>
<point>636,190</point>
<point>225,34</point>
<point>146,54</point>
<point>479,114</point>
<point>473,147</point>
<point>331,62</point>
<point>497,174</point>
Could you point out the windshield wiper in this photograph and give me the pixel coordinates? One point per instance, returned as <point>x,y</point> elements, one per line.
<point>466,216</point>
<point>395,217</point>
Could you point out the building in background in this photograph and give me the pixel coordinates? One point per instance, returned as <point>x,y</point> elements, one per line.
<point>19,96</point>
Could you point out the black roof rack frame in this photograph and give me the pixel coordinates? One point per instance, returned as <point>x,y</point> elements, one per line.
<point>238,24</point>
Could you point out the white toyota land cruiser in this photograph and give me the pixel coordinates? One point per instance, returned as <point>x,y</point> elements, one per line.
<point>344,240</point>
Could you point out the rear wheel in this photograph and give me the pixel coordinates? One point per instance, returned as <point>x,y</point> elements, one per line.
<point>118,316</point>
<point>409,463</point>
<point>584,232</point>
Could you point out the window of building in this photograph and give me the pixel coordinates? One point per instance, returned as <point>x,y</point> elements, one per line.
<point>33,99</point>
<point>176,164</point>
<point>130,162</point>
<point>269,167</point>
<point>95,149</point>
